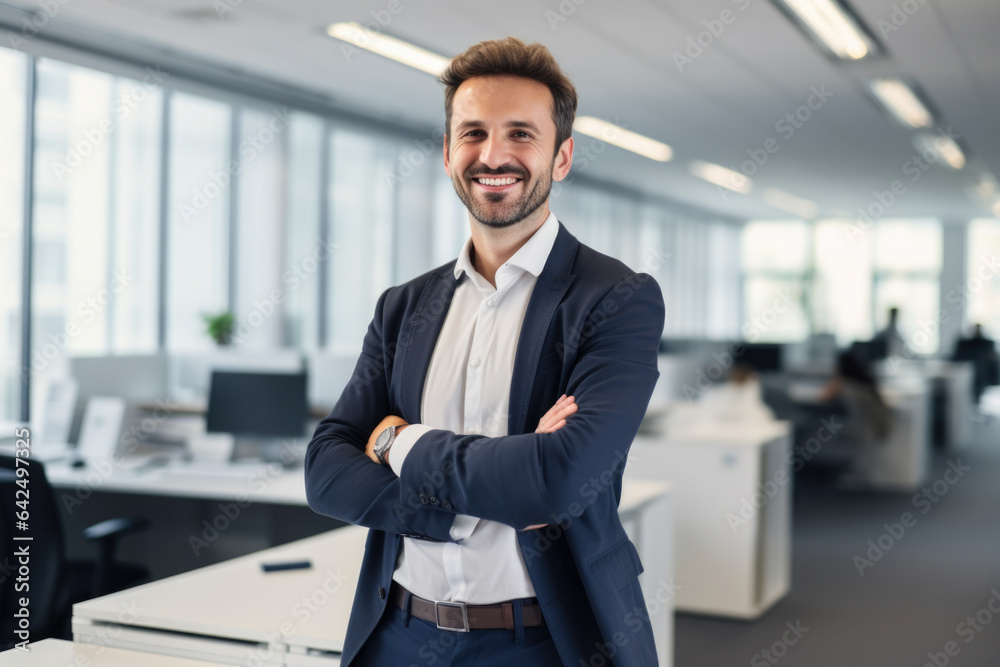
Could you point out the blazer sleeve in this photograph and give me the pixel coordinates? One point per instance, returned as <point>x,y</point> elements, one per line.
<point>531,478</point>
<point>341,481</point>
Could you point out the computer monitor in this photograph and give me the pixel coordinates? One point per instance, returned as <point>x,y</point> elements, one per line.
<point>258,405</point>
<point>762,357</point>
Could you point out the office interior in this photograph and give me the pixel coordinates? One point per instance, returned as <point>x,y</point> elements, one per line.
<point>201,202</point>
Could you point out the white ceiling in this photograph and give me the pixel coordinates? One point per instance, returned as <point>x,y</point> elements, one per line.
<point>620,56</point>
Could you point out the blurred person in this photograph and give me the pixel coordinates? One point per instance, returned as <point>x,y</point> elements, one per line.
<point>869,417</point>
<point>890,341</point>
<point>739,399</point>
<point>982,352</point>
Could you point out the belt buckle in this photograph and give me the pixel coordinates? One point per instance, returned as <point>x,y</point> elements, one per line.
<point>454,613</point>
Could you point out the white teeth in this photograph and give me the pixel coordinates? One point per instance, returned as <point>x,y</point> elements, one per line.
<point>497,181</point>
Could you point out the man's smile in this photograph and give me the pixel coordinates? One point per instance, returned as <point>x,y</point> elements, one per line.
<point>496,183</point>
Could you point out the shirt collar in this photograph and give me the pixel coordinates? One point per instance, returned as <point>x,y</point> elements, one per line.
<point>530,257</point>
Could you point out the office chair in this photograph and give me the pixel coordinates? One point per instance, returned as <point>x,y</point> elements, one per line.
<point>55,583</point>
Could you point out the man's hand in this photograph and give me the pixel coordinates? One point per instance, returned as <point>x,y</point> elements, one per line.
<point>552,421</point>
<point>391,420</point>
<point>555,418</point>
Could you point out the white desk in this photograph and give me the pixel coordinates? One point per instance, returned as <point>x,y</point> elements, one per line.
<point>50,652</point>
<point>233,612</point>
<point>732,558</point>
<point>260,482</point>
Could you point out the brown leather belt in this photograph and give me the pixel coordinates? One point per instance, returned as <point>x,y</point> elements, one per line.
<point>461,617</point>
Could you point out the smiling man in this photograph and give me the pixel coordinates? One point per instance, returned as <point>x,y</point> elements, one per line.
<point>484,433</point>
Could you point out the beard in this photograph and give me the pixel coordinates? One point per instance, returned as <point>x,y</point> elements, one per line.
<point>502,209</point>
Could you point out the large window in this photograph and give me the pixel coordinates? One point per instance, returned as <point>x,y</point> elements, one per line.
<point>982,288</point>
<point>776,259</point>
<point>306,251</point>
<point>13,66</point>
<point>198,228</point>
<point>907,276</point>
<point>95,211</point>
<point>361,208</point>
<point>806,278</point>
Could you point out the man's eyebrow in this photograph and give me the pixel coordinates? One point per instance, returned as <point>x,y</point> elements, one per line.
<point>467,124</point>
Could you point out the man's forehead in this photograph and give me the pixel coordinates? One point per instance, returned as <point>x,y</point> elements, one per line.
<point>515,97</point>
<point>502,90</point>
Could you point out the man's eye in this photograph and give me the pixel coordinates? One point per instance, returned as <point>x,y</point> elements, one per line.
<point>522,135</point>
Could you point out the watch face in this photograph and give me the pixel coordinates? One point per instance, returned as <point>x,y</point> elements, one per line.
<point>383,438</point>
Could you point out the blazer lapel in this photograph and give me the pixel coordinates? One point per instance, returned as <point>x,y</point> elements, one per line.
<point>550,287</point>
<point>418,340</point>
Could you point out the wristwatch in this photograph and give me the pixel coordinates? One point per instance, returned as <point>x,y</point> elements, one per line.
<point>383,442</point>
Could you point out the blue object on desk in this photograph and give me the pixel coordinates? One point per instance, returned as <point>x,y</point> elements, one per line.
<point>289,565</point>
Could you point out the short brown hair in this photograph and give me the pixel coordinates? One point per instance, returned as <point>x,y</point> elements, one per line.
<point>513,57</point>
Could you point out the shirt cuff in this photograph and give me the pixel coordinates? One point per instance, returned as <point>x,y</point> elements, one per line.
<point>462,526</point>
<point>402,445</point>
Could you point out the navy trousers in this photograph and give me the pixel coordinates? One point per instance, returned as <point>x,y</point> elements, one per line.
<point>401,640</point>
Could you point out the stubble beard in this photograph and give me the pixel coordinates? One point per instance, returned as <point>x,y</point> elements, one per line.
<point>499,209</point>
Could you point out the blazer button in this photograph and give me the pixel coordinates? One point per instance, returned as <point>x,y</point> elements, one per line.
<point>423,498</point>
<point>381,593</point>
<point>445,504</point>
<point>433,500</point>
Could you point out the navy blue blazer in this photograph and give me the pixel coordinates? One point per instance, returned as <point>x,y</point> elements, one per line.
<point>591,330</point>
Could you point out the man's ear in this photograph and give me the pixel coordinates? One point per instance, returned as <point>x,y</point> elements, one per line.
<point>447,162</point>
<point>563,161</point>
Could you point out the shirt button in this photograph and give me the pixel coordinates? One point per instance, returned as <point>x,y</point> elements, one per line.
<point>445,504</point>
<point>381,593</point>
<point>490,302</point>
<point>474,363</point>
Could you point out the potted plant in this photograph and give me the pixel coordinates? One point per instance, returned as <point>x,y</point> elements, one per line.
<point>220,327</point>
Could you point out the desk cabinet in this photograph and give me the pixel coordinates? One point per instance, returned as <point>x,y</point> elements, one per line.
<point>732,494</point>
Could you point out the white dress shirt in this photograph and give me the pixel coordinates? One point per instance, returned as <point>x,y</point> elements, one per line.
<point>467,390</point>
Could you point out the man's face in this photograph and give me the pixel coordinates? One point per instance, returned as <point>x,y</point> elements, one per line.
<point>502,146</point>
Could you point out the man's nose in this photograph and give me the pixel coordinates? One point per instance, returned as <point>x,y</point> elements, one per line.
<point>495,152</point>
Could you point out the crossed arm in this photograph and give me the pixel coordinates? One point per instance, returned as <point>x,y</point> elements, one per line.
<point>551,421</point>
<point>520,480</point>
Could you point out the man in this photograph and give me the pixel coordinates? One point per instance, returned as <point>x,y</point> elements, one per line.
<point>498,396</point>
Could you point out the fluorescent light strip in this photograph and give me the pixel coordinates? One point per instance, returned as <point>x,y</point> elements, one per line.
<point>900,100</point>
<point>996,209</point>
<point>619,136</point>
<point>833,26</point>
<point>718,175</point>
<point>803,208</point>
<point>390,47</point>
<point>943,147</point>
